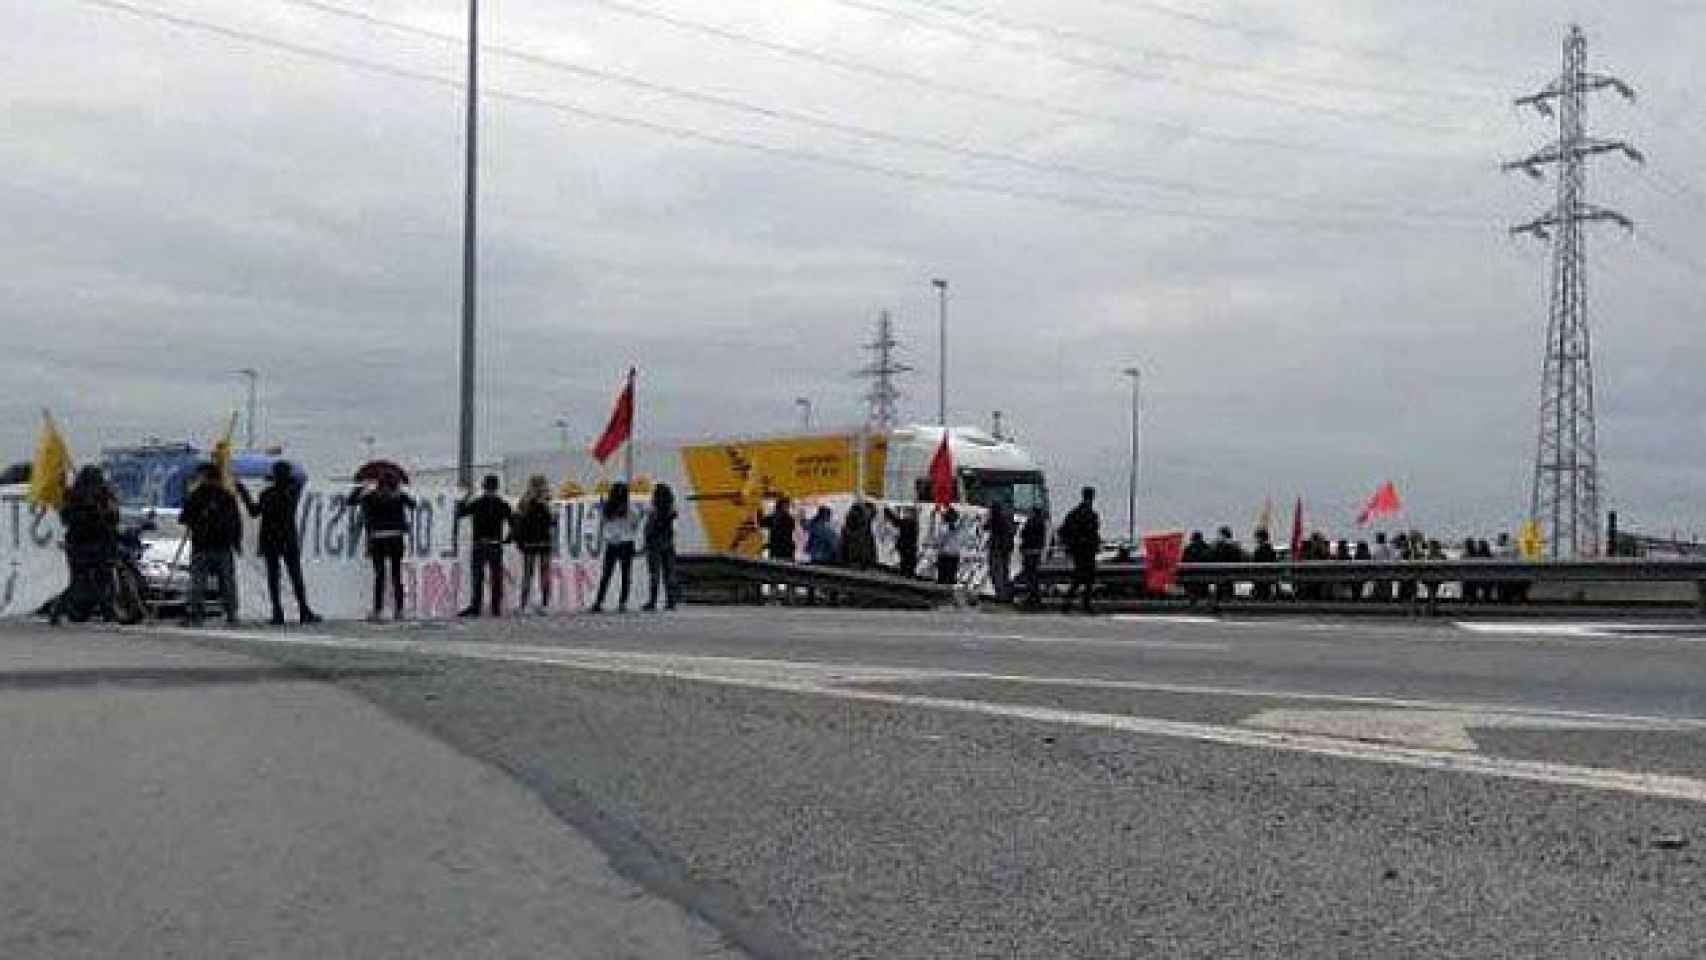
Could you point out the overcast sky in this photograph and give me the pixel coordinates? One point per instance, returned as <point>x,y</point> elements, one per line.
<point>1289,216</point>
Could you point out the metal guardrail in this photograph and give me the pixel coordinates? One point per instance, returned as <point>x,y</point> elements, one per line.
<point>742,579</point>
<point>1419,577</point>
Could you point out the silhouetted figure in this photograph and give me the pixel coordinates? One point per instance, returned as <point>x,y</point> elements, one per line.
<point>1263,553</point>
<point>905,523</point>
<point>280,544</point>
<point>385,511</point>
<point>660,548</point>
<point>533,527</point>
<point>1033,540</point>
<point>1196,550</point>
<point>949,545</point>
<point>1081,535</point>
<point>215,522</point>
<point>1001,530</point>
<point>779,526</point>
<point>90,519</point>
<point>491,515</point>
<point>822,545</point>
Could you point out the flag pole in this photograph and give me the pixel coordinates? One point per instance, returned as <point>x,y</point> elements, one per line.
<point>633,419</point>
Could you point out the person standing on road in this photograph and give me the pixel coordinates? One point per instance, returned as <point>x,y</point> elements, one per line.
<point>660,548</point>
<point>1081,535</point>
<point>822,546</point>
<point>534,530</point>
<point>858,541</point>
<point>90,520</point>
<point>1033,539</point>
<point>215,523</point>
<point>949,544</point>
<point>1001,530</point>
<point>779,525</point>
<point>617,527</point>
<point>1263,553</point>
<point>491,515</point>
<point>385,511</point>
<point>280,544</point>
<point>1196,550</point>
<point>1226,550</point>
<point>905,523</point>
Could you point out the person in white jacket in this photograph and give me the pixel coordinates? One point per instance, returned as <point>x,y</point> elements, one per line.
<point>950,543</point>
<point>617,528</point>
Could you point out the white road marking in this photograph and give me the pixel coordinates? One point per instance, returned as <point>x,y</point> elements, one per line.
<point>1436,729</point>
<point>827,680</point>
<point>984,636</point>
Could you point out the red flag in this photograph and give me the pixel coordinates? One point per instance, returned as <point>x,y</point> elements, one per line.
<point>1383,503</point>
<point>1161,554</point>
<point>942,474</point>
<point>621,424</point>
<point>1297,530</point>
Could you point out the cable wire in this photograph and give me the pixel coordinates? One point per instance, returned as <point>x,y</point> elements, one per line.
<point>870,134</point>
<point>1086,202</point>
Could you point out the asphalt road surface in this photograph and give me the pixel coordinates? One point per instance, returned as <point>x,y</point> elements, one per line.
<point>800,783</point>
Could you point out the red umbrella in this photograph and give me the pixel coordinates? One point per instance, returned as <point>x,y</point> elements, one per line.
<point>378,470</point>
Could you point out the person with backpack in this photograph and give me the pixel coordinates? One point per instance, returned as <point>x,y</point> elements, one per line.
<point>660,548</point>
<point>1081,535</point>
<point>385,511</point>
<point>491,515</point>
<point>215,523</point>
<point>534,530</point>
<point>617,527</point>
<point>280,544</point>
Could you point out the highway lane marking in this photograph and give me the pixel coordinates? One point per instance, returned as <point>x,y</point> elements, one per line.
<point>1441,729</point>
<point>828,680</point>
<point>984,636</point>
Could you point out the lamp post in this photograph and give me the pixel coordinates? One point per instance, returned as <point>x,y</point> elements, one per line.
<point>1131,502</point>
<point>254,378</point>
<point>465,434</point>
<point>941,350</point>
<point>562,425</point>
<point>805,405</point>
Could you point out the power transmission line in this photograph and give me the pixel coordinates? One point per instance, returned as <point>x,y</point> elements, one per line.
<point>854,65</point>
<point>1150,53</point>
<point>1092,203</point>
<point>1133,73</point>
<point>1223,24</point>
<point>866,133</point>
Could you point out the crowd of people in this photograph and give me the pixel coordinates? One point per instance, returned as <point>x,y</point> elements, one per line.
<point>1409,545</point>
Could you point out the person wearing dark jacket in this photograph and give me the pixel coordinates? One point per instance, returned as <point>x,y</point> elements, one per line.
<point>905,523</point>
<point>1033,539</point>
<point>858,540</point>
<point>491,515</point>
<point>534,530</point>
<point>660,548</point>
<point>280,544</point>
<point>1081,535</point>
<point>1000,529</point>
<point>1226,550</point>
<point>779,527</point>
<point>90,519</point>
<point>215,522</point>
<point>385,512</point>
<point>1196,550</point>
<point>1264,553</point>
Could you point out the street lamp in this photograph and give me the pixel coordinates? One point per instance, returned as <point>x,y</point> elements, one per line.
<point>254,378</point>
<point>562,426</point>
<point>805,405</point>
<point>941,350</point>
<point>465,431</point>
<point>1131,503</point>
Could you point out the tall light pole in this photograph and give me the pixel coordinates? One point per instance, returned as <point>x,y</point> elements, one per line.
<point>254,378</point>
<point>805,405</point>
<point>941,350</point>
<point>465,438</point>
<point>1131,503</point>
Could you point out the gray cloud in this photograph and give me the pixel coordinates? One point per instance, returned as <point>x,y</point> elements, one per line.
<point>182,204</point>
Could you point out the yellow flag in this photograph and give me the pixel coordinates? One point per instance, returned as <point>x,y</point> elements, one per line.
<point>1529,542</point>
<point>222,453</point>
<point>1265,519</point>
<point>52,462</point>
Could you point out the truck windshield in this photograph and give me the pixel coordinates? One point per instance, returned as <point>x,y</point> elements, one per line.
<point>1016,490</point>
